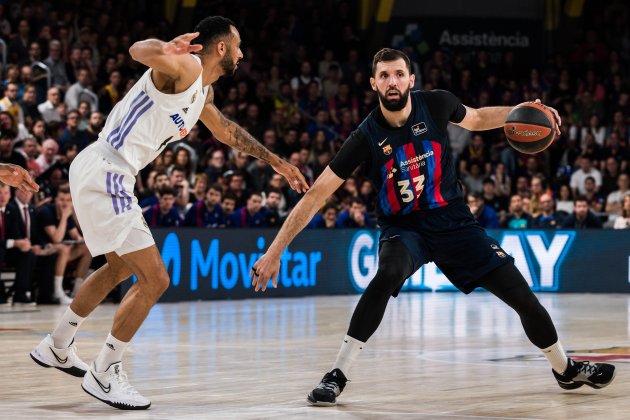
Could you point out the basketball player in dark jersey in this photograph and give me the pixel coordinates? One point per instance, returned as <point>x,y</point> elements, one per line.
<point>423,217</point>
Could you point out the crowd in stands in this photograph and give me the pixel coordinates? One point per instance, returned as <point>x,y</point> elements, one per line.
<point>302,88</point>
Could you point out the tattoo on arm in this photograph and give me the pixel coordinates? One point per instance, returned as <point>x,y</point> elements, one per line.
<point>240,139</point>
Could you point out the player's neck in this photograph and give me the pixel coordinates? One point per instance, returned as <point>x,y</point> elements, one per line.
<point>208,77</point>
<point>397,118</point>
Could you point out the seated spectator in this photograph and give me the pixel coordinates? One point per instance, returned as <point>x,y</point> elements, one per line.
<point>623,221</point>
<point>216,166</point>
<point>15,246</point>
<point>57,221</point>
<point>565,205</point>
<point>485,215</point>
<point>207,212</point>
<point>271,208</point>
<point>163,214</point>
<point>595,200</point>
<point>161,180</point>
<point>614,200</point>
<point>236,187</point>
<point>582,217</point>
<point>473,178</point>
<point>71,135</point>
<point>49,155</point>
<point>490,197</point>
<point>49,109</point>
<point>586,169</point>
<point>7,154</point>
<point>547,219</point>
<point>538,189</point>
<point>81,91</point>
<point>228,204</point>
<point>354,217</point>
<point>179,183</point>
<point>326,219</point>
<point>250,215</point>
<point>517,218</point>
<point>199,188</point>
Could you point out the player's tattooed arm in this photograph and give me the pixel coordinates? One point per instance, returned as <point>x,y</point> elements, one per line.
<point>234,135</point>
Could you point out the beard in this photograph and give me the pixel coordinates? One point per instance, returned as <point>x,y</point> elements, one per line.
<point>227,64</point>
<point>394,104</point>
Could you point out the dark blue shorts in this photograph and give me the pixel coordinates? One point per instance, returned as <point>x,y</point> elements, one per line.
<point>450,237</point>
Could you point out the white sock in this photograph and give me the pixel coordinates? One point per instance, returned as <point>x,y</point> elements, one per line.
<point>557,357</point>
<point>348,353</point>
<point>66,329</point>
<point>111,352</point>
<point>59,285</point>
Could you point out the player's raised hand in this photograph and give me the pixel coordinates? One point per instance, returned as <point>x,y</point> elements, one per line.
<point>266,268</point>
<point>181,44</point>
<point>18,177</point>
<point>293,176</point>
<point>555,114</point>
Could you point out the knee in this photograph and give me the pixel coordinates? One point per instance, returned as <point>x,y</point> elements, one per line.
<point>526,304</point>
<point>156,284</point>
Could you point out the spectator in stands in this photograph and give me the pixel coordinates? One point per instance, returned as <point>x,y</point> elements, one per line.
<point>490,197</point>
<point>610,174</point>
<point>228,204</point>
<point>163,214</point>
<point>473,177</point>
<point>586,169</point>
<point>538,189</point>
<point>49,109</point>
<point>81,91</point>
<point>199,188</point>
<point>326,219</point>
<point>354,217</point>
<point>517,218</point>
<point>95,124</point>
<point>548,218</point>
<point>111,93</point>
<point>71,134</point>
<point>250,215</point>
<point>57,221</point>
<point>216,166</point>
<point>207,212</point>
<point>485,215</point>
<point>614,201</point>
<point>179,183</point>
<point>564,203</point>
<point>57,66</point>
<point>623,221</point>
<point>299,84</point>
<point>236,187</point>
<point>582,217</point>
<point>7,154</point>
<point>595,200</point>
<point>271,207</point>
<point>29,104</point>
<point>502,181</point>
<point>15,245</point>
<point>49,155</point>
<point>11,104</point>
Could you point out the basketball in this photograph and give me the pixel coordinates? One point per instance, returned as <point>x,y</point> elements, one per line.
<point>530,128</point>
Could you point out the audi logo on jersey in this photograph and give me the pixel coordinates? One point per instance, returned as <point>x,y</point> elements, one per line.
<point>179,122</point>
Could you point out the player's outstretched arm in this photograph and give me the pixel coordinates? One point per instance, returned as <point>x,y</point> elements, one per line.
<point>268,266</point>
<point>488,118</point>
<point>169,60</point>
<point>235,136</point>
<point>18,177</point>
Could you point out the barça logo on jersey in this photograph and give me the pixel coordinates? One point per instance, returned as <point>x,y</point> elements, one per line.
<point>387,150</point>
<point>419,128</point>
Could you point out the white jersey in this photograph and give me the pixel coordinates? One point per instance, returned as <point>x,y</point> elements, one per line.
<point>146,120</point>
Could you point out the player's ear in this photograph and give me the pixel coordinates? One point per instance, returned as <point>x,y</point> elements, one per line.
<point>412,79</point>
<point>373,83</point>
<point>221,48</point>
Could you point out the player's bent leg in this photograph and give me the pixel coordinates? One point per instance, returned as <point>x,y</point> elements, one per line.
<point>58,349</point>
<point>507,283</point>
<point>106,379</point>
<point>395,265</point>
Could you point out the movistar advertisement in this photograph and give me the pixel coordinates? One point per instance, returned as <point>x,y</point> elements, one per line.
<point>215,264</point>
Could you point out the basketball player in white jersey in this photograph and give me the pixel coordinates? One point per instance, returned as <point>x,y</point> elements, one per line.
<point>162,107</point>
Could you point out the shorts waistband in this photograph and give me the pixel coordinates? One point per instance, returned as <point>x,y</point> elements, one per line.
<point>108,152</point>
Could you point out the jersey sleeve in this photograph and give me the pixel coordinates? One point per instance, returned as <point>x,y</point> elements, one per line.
<point>444,107</point>
<point>353,152</point>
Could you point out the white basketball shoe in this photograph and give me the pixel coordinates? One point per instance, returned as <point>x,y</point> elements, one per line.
<point>66,360</point>
<point>113,388</point>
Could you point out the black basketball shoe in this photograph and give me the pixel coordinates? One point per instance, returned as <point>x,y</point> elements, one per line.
<point>325,394</point>
<point>595,375</point>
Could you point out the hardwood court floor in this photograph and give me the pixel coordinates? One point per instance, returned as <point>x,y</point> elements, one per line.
<point>436,356</point>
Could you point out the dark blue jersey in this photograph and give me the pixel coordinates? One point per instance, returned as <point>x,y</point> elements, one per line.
<point>200,216</point>
<point>411,167</point>
<point>155,218</point>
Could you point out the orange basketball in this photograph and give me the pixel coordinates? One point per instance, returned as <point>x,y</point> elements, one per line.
<point>530,128</point>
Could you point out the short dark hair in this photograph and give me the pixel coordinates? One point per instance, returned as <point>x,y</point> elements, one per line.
<point>389,54</point>
<point>211,29</point>
<point>580,198</point>
<point>166,191</point>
